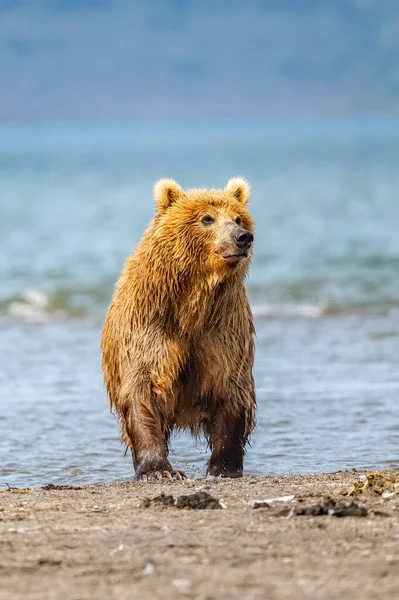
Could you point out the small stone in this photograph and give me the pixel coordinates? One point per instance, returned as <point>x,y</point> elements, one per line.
<point>181,584</point>
<point>148,569</point>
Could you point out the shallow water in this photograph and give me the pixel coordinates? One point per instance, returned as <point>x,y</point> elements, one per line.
<point>327,392</point>
<point>323,287</point>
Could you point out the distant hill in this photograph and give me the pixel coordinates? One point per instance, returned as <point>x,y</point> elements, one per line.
<point>101,59</point>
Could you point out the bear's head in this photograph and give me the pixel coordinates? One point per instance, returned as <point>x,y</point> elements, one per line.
<point>205,229</point>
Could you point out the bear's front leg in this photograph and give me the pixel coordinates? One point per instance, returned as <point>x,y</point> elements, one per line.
<point>226,433</point>
<point>147,435</point>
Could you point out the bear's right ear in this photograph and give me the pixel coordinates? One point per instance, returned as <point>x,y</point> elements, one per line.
<point>166,192</point>
<point>239,188</point>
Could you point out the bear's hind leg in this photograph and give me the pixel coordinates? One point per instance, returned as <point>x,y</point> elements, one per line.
<point>145,432</point>
<point>226,434</point>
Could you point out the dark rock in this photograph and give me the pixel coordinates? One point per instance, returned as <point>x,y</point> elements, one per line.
<point>333,508</point>
<point>200,500</point>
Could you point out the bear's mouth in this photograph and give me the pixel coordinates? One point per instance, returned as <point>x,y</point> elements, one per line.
<point>233,257</point>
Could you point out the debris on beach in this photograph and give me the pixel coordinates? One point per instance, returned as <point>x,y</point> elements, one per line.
<point>375,483</point>
<point>267,503</point>
<point>198,501</point>
<point>161,500</point>
<point>48,561</point>
<point>15,489</point>
<point>329,506</point>
<point>332,508</point>
<point>52,486</point>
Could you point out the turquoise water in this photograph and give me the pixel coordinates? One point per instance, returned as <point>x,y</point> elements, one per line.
<point>323,286</point>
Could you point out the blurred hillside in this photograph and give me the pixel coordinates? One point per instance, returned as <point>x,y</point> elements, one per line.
<point>79,59</point>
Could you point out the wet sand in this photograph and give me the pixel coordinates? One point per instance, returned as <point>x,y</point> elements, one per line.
<point>105,541</point>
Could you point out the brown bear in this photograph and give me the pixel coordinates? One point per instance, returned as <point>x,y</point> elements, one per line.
<point>177,344</point>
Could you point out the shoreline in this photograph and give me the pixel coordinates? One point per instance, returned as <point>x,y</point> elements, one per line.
<point>114,541</point>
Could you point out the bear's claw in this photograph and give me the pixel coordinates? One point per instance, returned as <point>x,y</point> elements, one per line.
<point>173,475</point>
<point>179,475</point>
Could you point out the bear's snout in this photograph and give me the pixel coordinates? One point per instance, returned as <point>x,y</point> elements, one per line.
<point>243,239</point>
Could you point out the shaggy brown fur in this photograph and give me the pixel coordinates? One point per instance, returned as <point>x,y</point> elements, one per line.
<point>177,345</point>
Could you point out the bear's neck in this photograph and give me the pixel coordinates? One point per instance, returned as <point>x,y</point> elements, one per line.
<point>186,302</point>
<point>204,303</point>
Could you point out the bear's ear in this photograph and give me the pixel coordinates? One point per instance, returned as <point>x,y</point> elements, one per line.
<point>239,188</point>
<point>166,191</point>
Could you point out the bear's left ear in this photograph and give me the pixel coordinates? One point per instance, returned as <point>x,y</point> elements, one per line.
<point>166,192</point>
<point>239,188</point>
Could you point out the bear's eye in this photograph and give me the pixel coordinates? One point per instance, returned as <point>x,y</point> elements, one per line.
<point>207,220</point>
<point>238,220</point>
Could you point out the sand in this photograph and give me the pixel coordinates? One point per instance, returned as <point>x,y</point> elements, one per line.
<point>106,541</point>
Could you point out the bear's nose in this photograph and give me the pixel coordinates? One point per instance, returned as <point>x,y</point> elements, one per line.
<point>243,239</point>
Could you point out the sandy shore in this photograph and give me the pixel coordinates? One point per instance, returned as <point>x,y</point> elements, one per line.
<point>107,541</point>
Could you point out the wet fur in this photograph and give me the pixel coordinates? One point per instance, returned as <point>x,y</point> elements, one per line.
<point>177,345</point>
